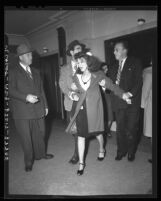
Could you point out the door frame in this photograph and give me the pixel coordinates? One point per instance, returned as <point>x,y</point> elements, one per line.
<point>123,37</point>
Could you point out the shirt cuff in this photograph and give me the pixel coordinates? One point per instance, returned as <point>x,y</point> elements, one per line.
<point>130,94</point>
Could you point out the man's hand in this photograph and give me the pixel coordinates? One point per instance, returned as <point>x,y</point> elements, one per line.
<point>126,97</point>
<point>31,98</point>
<point>46,111</point>
<point>128,101</point>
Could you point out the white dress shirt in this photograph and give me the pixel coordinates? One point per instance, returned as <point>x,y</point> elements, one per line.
<point>123,62</point>
<point>24,67</point>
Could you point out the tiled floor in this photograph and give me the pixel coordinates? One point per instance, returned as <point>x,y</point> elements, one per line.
<point>58,177</point>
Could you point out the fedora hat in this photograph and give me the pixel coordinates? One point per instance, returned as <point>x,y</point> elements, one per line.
<point>23,49</point>
<point>72,45</point>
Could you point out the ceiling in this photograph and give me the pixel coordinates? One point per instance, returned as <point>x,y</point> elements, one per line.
<point>23,22</point>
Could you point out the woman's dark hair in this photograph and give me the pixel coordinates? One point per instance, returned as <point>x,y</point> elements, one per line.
<point>103,64</point>
<point>93,62</point>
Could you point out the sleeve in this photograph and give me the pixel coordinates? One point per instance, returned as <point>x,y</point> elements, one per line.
<point>43,93</point>
<point>13,91</point>
<point>110,86</point>
<point>113,87</point>
<point>63,82</point>
<point>137,84</point>
<point>147,81</point>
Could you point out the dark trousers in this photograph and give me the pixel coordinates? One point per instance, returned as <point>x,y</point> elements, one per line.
<point>127,121</point>
<point>69,116</point>
<point>31,133</point>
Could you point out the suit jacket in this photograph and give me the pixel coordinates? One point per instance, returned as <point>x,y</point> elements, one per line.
<point>130,81</point>
<point>20,85</point>
<point>65,82</point>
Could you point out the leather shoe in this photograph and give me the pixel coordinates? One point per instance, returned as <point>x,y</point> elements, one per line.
<point>101,158</point>
<point>28,168</point>
<point>109,134</point>
<point>131,157</point>
<point>74,160</point>
<point>48,156</point>
<point>119,157</point>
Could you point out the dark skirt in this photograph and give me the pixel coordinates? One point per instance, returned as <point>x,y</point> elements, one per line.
<point>82,122</point>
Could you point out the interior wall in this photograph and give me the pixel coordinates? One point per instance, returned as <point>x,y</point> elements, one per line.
<point>17,39</point>
<point>92,28</point>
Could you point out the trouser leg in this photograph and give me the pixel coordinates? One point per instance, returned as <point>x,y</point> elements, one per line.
<point>69,115</point>
<point>76,146</point>
<point>24,132</point>
<point>120,132</point>
<point>132,128</point>
<point>38,134</point>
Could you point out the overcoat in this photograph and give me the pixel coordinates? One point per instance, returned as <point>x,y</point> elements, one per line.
<point>93,99</point>
<point>65,82</point>
<point>146,101</point>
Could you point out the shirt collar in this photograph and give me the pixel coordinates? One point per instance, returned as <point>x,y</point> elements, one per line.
<point>123,62</point>
<point>24,67</point>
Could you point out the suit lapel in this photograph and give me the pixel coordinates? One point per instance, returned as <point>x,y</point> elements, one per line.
<point>125,67</point>
<point>22,70</point>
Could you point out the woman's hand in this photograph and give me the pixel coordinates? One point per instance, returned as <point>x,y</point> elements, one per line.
<point>73,96</point>
<point>73,87</point>
<point>102,83</point>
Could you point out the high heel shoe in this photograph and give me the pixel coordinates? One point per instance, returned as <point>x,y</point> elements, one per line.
<point>80,172</point>
<point>101,158</point>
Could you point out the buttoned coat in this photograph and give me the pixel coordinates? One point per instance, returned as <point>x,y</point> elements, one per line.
<point>146,101</point>
<point>20,85</point>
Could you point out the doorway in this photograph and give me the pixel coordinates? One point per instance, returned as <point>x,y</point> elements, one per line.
<point>142,45</point>
<point>49,69</point>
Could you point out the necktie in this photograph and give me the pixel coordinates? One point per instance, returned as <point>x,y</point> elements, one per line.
<point>28,72</point>
<point>119,74</point>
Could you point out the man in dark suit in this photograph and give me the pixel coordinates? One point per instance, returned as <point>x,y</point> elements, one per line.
<point>128,75</point>
<point>28,106</point>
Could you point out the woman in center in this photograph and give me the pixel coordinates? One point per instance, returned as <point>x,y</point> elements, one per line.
<point>90,119</point>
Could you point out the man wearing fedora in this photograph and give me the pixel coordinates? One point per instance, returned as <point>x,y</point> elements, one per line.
<point>68,88</point>
<point>28,106</point>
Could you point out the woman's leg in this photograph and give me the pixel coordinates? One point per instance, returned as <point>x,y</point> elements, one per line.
<point>81,149</point>
<point>101,144</point>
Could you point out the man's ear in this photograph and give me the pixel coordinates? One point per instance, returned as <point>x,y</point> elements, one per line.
<point>71,52</point>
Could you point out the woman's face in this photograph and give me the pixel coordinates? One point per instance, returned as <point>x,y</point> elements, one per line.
<point>82,64</point>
